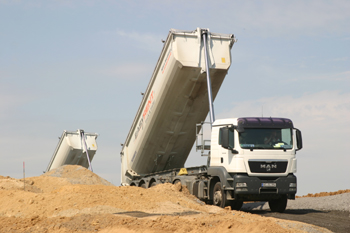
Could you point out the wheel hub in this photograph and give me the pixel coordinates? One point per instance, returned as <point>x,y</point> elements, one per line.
<point>217,198</point>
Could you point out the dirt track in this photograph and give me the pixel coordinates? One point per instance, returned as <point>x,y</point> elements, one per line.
<point>336,221</point>
<point>73,199</point>
<point>330,210</point>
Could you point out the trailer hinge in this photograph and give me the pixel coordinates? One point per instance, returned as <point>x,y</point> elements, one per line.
<point>132,174</point>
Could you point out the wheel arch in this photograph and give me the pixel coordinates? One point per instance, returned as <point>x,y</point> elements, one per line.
<point>222,174</point>
<point>143,183</point>
<point>176,181</point>
<point>152,182</point>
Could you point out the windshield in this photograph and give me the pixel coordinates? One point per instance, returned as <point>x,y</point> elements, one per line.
<point>266,138</point>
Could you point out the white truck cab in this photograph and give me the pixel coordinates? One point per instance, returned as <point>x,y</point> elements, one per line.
<point>254,157</point>
<point>239,144</point>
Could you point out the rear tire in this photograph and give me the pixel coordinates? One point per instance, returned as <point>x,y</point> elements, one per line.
<point>278,205</point>
<point>219,196</point>
<point>143,185</point>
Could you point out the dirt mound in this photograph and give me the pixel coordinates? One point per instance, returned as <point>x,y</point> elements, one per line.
<point>325,194</point>
<point>73,199</point>
<point>8,183</point>
<point>77,175</point>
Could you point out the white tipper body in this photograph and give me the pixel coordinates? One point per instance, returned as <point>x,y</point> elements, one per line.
<point>71,150</point>
<point>163,131</point>
<point>238,163</point>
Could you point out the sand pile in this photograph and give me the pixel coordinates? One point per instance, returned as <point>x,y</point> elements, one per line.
<point>326,194</point>
<point>73,199</point>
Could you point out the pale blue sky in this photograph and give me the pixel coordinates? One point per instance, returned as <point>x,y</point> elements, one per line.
<point>68,65</point>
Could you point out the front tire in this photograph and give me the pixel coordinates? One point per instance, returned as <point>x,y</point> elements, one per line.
<point>219,197</point>
<point>278,205</point>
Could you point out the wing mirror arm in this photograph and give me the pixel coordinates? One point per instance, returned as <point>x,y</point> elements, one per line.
<point>233,150</point>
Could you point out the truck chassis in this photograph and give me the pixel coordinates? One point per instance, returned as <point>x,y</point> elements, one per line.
<point>216,186</point>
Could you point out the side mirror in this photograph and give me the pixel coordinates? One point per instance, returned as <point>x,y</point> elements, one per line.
<point>299,139</point>
<point>224,137</point>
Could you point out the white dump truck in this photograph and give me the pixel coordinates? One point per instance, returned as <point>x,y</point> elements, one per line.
<point>74,148</point>
<point>249,158</point>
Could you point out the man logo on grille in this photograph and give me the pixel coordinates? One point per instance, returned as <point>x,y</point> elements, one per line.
<point>268,167</point>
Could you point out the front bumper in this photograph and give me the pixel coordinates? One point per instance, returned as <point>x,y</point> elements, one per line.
<point>263,188</point>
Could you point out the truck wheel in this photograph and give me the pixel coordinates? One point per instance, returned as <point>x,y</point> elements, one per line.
<point>219,197</point>
<point>278,205</point>
<point>143,185</point>
<point>236,205</point>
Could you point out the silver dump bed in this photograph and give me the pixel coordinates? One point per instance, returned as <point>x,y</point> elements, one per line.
<point>164,129</point>
<point>71,149</point>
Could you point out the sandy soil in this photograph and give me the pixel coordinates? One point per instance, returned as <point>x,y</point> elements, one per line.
<point>73,199</point>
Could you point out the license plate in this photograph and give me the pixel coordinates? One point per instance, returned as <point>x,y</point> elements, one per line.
<point>266,185</point>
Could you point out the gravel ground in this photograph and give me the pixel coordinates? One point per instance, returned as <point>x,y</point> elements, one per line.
<point>339,202</point>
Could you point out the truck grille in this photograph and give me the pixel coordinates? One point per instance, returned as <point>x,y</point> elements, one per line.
<point>268,167</point>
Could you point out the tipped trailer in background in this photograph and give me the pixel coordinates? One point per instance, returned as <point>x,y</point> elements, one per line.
<point>249,158</point>
<point>74,148</point>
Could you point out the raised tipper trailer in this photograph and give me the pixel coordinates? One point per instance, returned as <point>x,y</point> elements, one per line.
<point>249,158</point>
<point>74,148</point>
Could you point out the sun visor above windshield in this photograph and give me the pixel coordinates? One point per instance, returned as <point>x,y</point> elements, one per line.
<point>264,122</point>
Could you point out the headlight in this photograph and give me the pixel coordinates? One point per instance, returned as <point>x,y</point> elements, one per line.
<point>239,185</point>
<point>292,185</point>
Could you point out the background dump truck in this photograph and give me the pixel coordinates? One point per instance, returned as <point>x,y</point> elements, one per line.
<point>249,158</point>
<point>74,148</point>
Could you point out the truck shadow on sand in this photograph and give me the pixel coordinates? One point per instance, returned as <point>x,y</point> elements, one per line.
<point>262,208</point>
